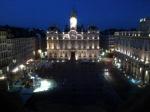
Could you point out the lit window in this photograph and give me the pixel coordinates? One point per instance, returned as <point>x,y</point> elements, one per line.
<point>92,46</point>
<point>141,20</point>
<point>139,35</point>
<point>87,47</point>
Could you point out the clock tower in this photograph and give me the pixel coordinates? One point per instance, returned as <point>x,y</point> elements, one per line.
<point>73,20</point>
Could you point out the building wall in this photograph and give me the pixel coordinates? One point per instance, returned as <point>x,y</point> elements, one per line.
<point>5,52</point>
<point>144,24</point>
<point>19,49</point>
<point>133,54</point>
<point>85,45</point>
<point>22,48</point>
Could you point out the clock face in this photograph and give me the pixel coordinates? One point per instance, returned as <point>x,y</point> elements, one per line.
<point>73,22</point>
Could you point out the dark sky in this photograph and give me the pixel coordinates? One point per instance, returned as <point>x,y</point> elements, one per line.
<point>103,13</point>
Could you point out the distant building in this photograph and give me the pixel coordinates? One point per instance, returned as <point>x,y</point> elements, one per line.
<point>74,44</point>
<point>144,24</point>
<point>40,44</point>
<point>133,53</point>
<point>5,51</point>
<point>14,48</point>
<point>108,42</point>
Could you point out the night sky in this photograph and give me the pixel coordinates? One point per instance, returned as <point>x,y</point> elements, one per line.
<point>103,13</point>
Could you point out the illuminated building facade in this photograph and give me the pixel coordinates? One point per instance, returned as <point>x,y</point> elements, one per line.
<point>74,44</point>
<point>133,54</point>
<point>144,25</point>
<point>14,49</point>
<point>5,52</point>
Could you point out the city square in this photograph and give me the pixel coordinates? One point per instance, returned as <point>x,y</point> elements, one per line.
<point>63,57</point>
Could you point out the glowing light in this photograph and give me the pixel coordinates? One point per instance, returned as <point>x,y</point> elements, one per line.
<point>15,70</point>
<point>45,85</point>
<point>76,57</point>
<point>139,35</point>
<point>118,65</point>
<point>146,72</point>
<point>134,81</point>
<point>140,69</point>
<point>146,62</point>
<point>68,58</point>
<point>22,66</point>
<point>2,77</point>
<point>31,77</point>
<point>142,60</point>
<point>106,73</point>
<point>52,47</point>
<point>92,46</point>
<point>73,22</point>
<point>33,52</point>
<point>141,20</point>
<point>119,60</point>
<point>105,70</point>
<point>45,53</point>
<point>63,61</point>
<point>39,51</point>
<point>103,53</point>
<point>146,76</point>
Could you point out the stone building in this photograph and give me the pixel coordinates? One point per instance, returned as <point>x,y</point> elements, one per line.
<point>14,48</point>
<point>132,54</point>
<point>74,44</point>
